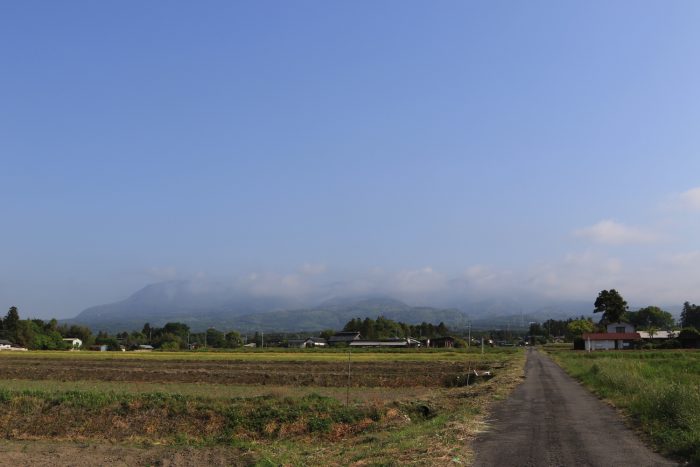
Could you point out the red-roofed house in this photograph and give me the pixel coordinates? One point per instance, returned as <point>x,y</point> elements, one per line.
<point>618,336</point>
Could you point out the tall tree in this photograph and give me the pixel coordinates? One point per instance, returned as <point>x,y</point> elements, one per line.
<point>690,316</point>
<point>611,304</point>
<point>9,324</point>
<point>11,319</point>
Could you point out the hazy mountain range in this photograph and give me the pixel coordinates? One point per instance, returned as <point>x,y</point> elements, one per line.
<point>215,305</point>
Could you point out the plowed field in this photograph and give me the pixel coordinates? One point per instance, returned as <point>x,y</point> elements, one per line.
<point>390,374</point>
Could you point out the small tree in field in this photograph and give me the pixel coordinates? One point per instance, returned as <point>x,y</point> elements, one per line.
<point>579,327</point>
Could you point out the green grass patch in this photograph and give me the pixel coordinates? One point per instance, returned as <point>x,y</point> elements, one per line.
<point>659,390</point>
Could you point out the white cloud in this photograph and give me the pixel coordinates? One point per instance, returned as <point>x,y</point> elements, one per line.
<point>312,269</point>
<point>417,281</point>
<point>689,258</point>
<point>614,233</point>
<point>690,199</point>
<point>577,275</point>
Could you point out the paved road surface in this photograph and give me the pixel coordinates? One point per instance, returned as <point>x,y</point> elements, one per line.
<point>551,420</point>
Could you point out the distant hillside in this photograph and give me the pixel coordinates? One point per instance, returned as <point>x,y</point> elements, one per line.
<point>198,304</point>
<point>224,308</point>
<point>203,305</point>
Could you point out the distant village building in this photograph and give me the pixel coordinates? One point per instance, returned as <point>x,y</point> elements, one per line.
<point>439,342</point>
<point>392,343</point>
<point>316,342</point>
<point>74,342</point>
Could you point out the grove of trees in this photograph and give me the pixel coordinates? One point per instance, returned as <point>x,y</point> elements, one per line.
<point>383,328</point>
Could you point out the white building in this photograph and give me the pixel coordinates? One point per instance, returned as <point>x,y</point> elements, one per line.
<point>660,335</point>
<point>618,336</point>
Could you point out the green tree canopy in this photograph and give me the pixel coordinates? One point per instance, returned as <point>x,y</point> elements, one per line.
<point>233,339</point>
<point>650,317</point>
<point>216,338</point>
<point>578,327</point>
<point>611,304</point>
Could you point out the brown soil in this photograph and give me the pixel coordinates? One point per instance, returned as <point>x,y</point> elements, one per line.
<point>328,374</point>
<point>49,454</point>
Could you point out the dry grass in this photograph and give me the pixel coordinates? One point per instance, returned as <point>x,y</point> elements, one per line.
<point>384,426</point>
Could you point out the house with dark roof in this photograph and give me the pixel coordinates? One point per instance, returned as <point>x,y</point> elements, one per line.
<point>618,336</point>
<point>5,344</point>
<point>343,337</point>
<point>307,343</point>
<point>316,342</point>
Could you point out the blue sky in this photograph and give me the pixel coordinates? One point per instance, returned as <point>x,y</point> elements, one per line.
<point>397,146</point>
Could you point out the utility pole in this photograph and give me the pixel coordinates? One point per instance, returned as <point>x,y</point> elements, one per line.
<point>347,391</point>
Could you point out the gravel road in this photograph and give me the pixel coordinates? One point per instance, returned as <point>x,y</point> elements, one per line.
<point>551,420</point>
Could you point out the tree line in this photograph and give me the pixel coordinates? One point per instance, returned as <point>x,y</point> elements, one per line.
<point>37,334</point>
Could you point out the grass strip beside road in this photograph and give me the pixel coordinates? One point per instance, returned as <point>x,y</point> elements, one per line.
<point>658,390</point>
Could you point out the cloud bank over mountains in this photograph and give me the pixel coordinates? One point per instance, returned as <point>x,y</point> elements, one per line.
<point>652,262</point>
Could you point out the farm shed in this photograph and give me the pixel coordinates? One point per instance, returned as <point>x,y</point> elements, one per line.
<point>5,344</point>
<point>658,335</point>
<point>385,343</point>
<point>609,340</point>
